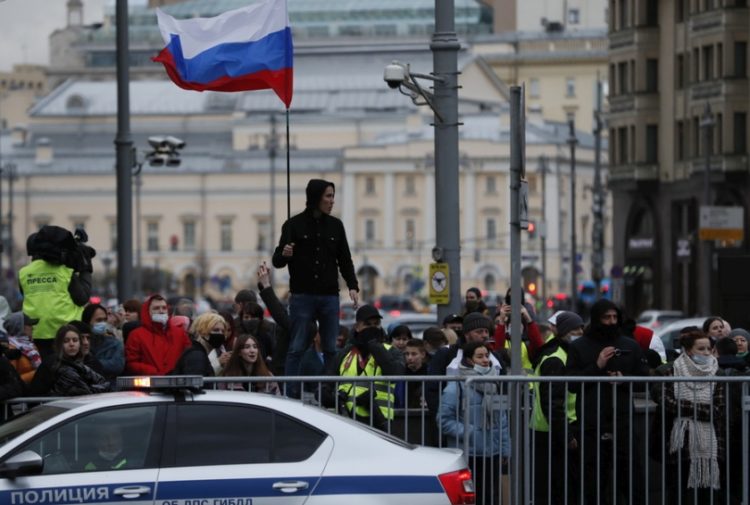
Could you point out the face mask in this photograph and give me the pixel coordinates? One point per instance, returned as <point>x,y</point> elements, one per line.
<point>99,328</point>
<point>108,455</point>
<point>700,359</point>
<point>216,340</point>
<point>160,318</point>
<point>362,338</point>
<point>482,370</point>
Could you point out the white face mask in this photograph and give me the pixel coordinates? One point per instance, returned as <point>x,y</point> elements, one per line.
<point>701,359</point>
<point>160,318</point>
<point>482,370</point>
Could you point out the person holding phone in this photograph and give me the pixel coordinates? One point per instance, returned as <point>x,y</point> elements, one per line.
<point>604,409</point>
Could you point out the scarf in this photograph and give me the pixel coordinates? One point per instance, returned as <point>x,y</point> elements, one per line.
<point>703,444</point>
<point>27,348</point>
<point>486,389</point>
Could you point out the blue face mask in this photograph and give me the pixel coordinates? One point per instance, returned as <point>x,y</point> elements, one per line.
<point>482,370</point>
<point>99,328</point>
<point>700,359</point>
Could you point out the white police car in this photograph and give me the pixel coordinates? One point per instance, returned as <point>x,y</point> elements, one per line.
<point>183,446</point>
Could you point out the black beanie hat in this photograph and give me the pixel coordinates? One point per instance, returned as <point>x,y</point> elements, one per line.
<point>476,320</point>
<point>314,191</point>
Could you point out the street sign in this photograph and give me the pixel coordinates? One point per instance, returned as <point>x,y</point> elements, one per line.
<point>683,249</point>
<point>439,283</point>
<point>721,223</point>
<point>523,205</point>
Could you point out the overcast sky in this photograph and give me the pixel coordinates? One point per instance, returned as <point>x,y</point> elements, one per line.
<point>25,26</point>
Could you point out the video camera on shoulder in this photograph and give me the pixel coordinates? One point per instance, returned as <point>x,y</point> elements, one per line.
<point>59,246</point>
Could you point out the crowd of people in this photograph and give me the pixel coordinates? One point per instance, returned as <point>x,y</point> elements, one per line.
<point>60,344</point>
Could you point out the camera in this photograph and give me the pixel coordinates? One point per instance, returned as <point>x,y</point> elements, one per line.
<point>622,352</point>
<point>59,246</point>
<point>395,74</point>
<point>168,143</point>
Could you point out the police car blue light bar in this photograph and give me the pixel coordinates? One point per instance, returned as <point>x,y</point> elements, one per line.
<point>161,382</point>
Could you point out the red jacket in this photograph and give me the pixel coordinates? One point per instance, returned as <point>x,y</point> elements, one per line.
<point>152,349</point>
<point>532,331</point>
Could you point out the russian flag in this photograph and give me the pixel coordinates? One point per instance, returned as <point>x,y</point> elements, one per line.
<point>240,50</point>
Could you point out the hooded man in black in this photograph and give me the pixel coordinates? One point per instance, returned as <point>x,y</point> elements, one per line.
<point>604,409</point>
<point>313,244</point>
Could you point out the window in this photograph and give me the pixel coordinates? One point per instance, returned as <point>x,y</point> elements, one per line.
<point>652,75</point>
<point>679,14</point>
<point>491,185</point>
<point>708,63</point>
<point>369,230</point>
<point>696,65</point>
<point>410,186</point>
<point>740,133</point>
<point>622,77</point>
<point>534,88</point>
<point>652,143</point>
<point>410,232</point>
<point>491,232</point>
<point>680,140</point>
<point>152,236</point>
<point>264,235</point>
<point>623,14</point>
<point>696,136</point>
<point>570,87</point>
<point>188,235</point>
<point>622,144</point>
<point>113,235</point>
<point>262,437</point>
<point>719,60</point>
<point>75,446</point>
<point>225,226</point>
<point>652,13</point>
<point>680,71</point>
<point>740,59</point>
<point>574,16</point>
<point>570,116</point>
<point>370,185</point>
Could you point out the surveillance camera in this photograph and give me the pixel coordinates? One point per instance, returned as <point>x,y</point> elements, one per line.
<point>158,160</point>
<point>173,161</point>
<point>156,142</point>
<point>395,74</point>
<point>174,142</point>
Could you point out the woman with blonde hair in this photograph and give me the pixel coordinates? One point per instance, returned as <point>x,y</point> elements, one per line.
<point>208,333</point>
<point>247,361</point>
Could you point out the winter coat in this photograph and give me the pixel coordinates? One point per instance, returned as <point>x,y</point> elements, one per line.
<point>65,377</point>
<point>110,352</point>
<point>194,361</point>
<point>152,349</point>
<point>484,441</point>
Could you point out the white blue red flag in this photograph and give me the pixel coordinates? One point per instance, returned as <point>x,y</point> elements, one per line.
<point>243,49</point>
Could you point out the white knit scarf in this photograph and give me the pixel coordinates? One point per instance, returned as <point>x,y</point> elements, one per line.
<point>703,444</point>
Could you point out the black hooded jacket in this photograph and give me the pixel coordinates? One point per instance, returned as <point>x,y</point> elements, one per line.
<point>597,400</point>
<point>320,248</point>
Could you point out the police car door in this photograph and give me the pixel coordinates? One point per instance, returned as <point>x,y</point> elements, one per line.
<point>107,456</point>
<point>234,454</point>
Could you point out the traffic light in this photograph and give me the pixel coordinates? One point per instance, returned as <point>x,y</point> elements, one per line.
<point>532,230</point>
<point>531,288</point>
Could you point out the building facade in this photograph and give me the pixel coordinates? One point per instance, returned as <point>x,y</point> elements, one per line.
<point>678,140</point>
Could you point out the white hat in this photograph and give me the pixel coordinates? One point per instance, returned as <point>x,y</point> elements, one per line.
<point>553,318</point>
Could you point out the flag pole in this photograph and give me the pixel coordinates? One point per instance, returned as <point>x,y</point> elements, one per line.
<point>288,170</point>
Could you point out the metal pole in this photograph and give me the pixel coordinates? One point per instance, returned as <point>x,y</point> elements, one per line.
<point>706,123</point>
<point>2,270</point>
<point>516,173</point>
<point>445,46</point>
<point>543,227</point>
<point>572,141</point>
<point>124,147</point>
<point>11,251</point>
<point>597,230</point>
<point>273,146</point>
<point>138,264</point>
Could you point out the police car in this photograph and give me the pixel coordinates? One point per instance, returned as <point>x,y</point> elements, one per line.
<point>171,443</point>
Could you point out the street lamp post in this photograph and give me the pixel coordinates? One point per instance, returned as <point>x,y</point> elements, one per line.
<point>597,230</point>
<point>572,141</point>
<point>707,123</point>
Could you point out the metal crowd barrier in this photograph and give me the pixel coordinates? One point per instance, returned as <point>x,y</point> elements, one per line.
<point>635,440</point>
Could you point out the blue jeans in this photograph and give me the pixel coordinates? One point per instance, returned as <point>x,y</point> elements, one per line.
<point>303,310</point>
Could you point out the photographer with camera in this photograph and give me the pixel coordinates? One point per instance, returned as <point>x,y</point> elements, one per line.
<point>57,283</point>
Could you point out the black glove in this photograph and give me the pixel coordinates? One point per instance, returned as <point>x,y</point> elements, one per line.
<point>364,337</point>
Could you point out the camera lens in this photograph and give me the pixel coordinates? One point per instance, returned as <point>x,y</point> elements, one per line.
<point>618,352</point>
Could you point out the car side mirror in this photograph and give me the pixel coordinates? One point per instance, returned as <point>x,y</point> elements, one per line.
<point>25,463</point>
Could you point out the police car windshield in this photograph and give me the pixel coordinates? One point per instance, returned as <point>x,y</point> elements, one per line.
<point>26,421</point>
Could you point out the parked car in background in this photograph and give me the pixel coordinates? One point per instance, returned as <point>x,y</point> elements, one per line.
<point>394,304</point>
<point>655,319</point>
<point>670,334</point>
<point>416,321</point>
